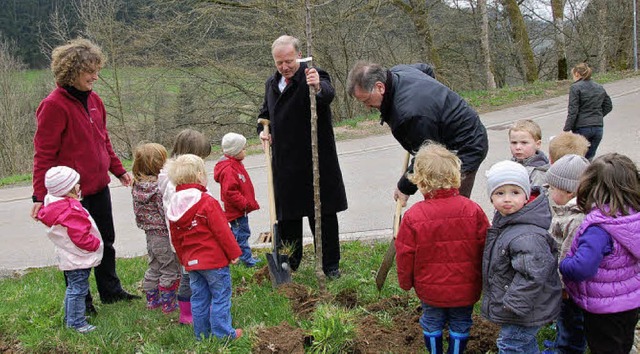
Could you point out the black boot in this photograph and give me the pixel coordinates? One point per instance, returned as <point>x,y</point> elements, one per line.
<point>121,296</point>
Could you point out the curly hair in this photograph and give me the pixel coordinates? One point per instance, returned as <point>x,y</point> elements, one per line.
<point>434,168</point>
<point>79,55</point>
<point>187,168</point>
<point>611,183</point>
<point>148,160</point>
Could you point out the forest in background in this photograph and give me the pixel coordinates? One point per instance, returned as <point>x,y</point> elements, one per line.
<point>174,64</point>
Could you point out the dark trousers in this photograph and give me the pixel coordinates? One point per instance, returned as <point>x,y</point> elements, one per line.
<point>291,234</point>
<point>610,333</point>
<point>99,206</point>
<point>466,183</point>
<point>594,136</point>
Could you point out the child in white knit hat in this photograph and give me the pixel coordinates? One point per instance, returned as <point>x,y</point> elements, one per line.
<point>76,237</point>
<point>521,287</point>
<point>236,192</point>
<point>563,178</point>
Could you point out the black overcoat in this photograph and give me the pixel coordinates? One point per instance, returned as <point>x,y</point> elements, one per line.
<point>289,114</point>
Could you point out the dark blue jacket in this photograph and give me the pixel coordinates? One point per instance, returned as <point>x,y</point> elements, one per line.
<point>418,108</point>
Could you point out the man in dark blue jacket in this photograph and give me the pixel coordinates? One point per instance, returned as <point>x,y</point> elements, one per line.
<point>419,108</point>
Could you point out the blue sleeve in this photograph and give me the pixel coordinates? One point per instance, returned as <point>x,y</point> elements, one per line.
<point>593,245</point>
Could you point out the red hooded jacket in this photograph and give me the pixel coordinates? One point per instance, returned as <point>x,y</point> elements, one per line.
<point>439,249</point>
<point>236,189</point>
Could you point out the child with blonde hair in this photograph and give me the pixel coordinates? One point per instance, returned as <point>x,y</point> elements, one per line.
<point>521,285</point>
<point>79,246</point>
<point>439,249</point>
<point>525,140</point>
<point>567,143</point>
<point>236,192</point>
<point>601,268</point>
<point>205,245</point>
<point>163,273</point>
<point>188,141</point>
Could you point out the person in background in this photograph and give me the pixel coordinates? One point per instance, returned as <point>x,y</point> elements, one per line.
<point>77,240</point>
<point>563,178</point>
<point>567,143</point>
<point>525,140</point>
<point>589,103</point>
<point>72,131</point>
<point>418,108</point>
<point>600,270</point>
<point>187,141</point>
<point>236,192</point>
<point>163,274</point>
<point>521,285</point>
<point>439,249</point>
<point>205,245</point>
<point>288,108</point>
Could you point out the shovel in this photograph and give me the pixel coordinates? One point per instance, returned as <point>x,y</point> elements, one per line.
<point>279,270</point>
<point>390,255</point>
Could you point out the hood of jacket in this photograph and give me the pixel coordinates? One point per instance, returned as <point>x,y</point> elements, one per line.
<point>536,212</point>
<point>622,228</point>
<point>144,191</point>
<point>180,209</point>
<point>55,209</point>
<point>223,163</point>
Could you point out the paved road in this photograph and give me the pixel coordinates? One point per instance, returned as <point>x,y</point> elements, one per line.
<point>370,167</point>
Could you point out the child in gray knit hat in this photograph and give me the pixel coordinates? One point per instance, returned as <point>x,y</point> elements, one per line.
<point>520,283</point>
<point>563,178</point>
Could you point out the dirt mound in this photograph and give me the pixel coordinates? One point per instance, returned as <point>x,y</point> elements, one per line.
<point>261,275</point>
<point>347,298</point>
<point>279,339</point>
<point>303,299</point>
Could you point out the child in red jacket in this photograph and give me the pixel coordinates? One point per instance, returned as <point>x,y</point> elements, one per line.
<point>236,192</point>
<point>439,249</point>
<point>205,246</point>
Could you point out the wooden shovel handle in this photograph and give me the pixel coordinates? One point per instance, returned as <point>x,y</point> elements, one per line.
<point>267,153</point>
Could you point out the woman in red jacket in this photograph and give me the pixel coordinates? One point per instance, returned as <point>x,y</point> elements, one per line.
<point>439,249</point>
<point>72,131</point>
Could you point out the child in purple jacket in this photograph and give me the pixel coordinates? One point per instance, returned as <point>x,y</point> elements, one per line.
<point>601,268</point>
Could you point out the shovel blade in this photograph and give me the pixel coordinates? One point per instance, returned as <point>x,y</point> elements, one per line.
<point>279,270</point>
<point>386,265</point>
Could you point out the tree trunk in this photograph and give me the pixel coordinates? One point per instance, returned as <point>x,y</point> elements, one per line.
<point>417,12</point>
<point>557,9</point>
<point>521,37</point>
<point>484,44</point>
<point>602,35</point>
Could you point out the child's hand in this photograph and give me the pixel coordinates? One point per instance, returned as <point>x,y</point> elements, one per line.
<point>234,261</point>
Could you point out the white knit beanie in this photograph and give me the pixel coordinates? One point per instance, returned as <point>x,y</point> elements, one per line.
<point>232,144</point>
<point>60,180</point>
<point>508,172</point>
<point>565,173</point>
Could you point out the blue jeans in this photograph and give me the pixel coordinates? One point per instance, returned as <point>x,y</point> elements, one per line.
<point>211,303</point>
<point>240,229</point>
<point>594,136</point>
<point>77,290</point>
<point>570,338</point>
<point>434,318</point>
<point>518,339</point>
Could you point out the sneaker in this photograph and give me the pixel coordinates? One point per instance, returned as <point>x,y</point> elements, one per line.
<point>252,262</point>
<point>86,328</point>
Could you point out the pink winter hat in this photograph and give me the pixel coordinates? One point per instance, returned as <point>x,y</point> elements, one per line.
<point>60,180</point>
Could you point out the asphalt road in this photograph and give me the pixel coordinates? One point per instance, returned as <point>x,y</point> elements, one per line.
<point>370,167</point>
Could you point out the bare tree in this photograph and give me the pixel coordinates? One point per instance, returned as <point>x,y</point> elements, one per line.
<point>557,11</point>
<point>521,38</point>
<point>603,34</point>
<point>484,44</point>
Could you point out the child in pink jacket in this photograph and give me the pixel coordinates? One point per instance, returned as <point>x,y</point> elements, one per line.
<point>76,237</point>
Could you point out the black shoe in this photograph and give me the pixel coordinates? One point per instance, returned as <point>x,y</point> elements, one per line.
<point>121,296</point>
<point>333,274</point>
<point>90,310</point>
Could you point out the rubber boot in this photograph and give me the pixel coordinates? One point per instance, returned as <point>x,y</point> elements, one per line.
<point>185,312</point>
<point>168,298</point>
<point>153,299</point>
<point>457,342</point>
<point>433,341</point>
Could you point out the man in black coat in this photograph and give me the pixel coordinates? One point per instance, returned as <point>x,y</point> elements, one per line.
<point>287,107</point>
<point>419,108</point>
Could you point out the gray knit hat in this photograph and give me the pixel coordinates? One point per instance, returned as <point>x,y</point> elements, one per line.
<point>565,173</point>
<point>508,172</point>
<point>233,143</point>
